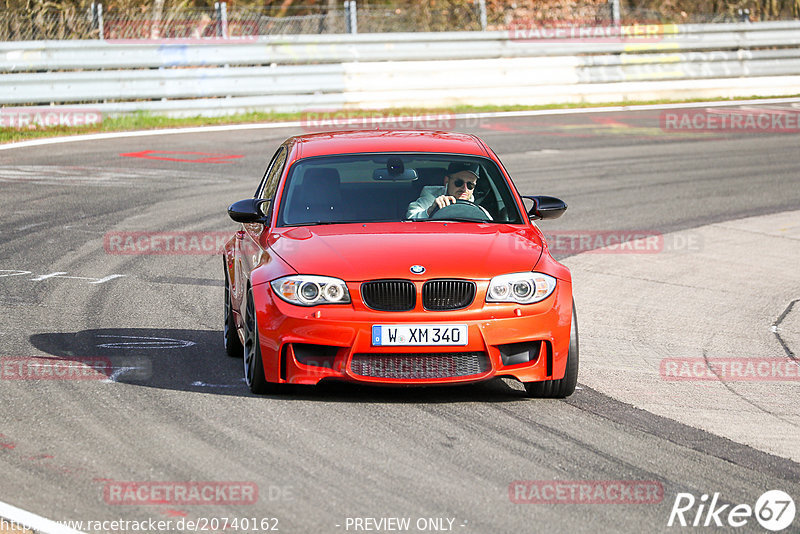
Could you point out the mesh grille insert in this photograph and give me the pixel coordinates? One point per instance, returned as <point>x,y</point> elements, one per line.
<point>415,365</point>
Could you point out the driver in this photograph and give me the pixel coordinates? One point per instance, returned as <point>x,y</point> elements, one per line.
<point>459,182</point>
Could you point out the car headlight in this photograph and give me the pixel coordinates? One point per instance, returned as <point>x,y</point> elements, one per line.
<point>522,288</point>
<point>310,290</point>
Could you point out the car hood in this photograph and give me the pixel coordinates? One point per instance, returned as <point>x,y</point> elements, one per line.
<point>357,252</point>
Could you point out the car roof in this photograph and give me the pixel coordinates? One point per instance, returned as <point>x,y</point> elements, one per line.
<point>357,141</point>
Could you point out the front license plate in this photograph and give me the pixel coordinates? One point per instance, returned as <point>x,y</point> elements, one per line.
<point>418,334</point>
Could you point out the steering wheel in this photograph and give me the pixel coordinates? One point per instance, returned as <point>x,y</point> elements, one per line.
<point>462,209</point>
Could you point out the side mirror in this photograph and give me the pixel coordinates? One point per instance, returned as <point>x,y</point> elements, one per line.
<point>546,207</point>
<point>250,210</point>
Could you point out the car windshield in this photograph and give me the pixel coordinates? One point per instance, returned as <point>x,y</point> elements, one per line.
<point>361,188</point>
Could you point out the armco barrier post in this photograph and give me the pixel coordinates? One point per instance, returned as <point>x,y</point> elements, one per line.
<point>484,18</point>
<point>616,12</point>
<point>221,11</point>
<point>350,16</point>
<point>97,19</point>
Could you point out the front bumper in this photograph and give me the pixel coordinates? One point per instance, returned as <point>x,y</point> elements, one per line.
<point>304,345</point>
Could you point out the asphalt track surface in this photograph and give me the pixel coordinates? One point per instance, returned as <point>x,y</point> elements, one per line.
<point>178,411</point>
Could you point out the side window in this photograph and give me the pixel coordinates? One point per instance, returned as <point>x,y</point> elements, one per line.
<point>270,182</point>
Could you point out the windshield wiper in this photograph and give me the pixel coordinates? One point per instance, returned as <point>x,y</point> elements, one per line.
<point>451,219</point>
<point>321,223</point>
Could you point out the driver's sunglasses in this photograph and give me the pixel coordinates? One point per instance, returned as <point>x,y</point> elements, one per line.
<point>458,182</point>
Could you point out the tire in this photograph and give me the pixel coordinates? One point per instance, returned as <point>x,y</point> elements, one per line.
<point>564,387</point>
<point>233,346</point>
<point>253,362</point>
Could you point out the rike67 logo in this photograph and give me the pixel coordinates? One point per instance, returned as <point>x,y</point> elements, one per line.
<point>774,510</point>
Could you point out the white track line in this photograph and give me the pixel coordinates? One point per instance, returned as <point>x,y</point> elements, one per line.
<point>33,521</point>
<point>389,119</point>
<point>143,133</point>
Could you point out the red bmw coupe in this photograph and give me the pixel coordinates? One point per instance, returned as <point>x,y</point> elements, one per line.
<point>396,258</point>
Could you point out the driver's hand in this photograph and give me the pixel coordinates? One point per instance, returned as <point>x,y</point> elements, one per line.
<point>440,202</point>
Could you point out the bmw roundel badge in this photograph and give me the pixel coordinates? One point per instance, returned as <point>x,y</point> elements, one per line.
<point>417,269</point>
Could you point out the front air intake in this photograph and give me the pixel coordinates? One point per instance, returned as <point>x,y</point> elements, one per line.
<point>415,366</point>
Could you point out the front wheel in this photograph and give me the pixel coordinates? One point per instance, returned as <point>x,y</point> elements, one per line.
<point>564,387</point>
<point>253,363</point>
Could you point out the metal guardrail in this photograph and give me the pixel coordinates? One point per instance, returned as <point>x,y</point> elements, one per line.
<point>415,69</point>
<point>337,48</point>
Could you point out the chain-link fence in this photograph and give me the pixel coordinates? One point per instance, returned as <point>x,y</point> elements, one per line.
<point>51,22</point>
<point>47,24</point>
